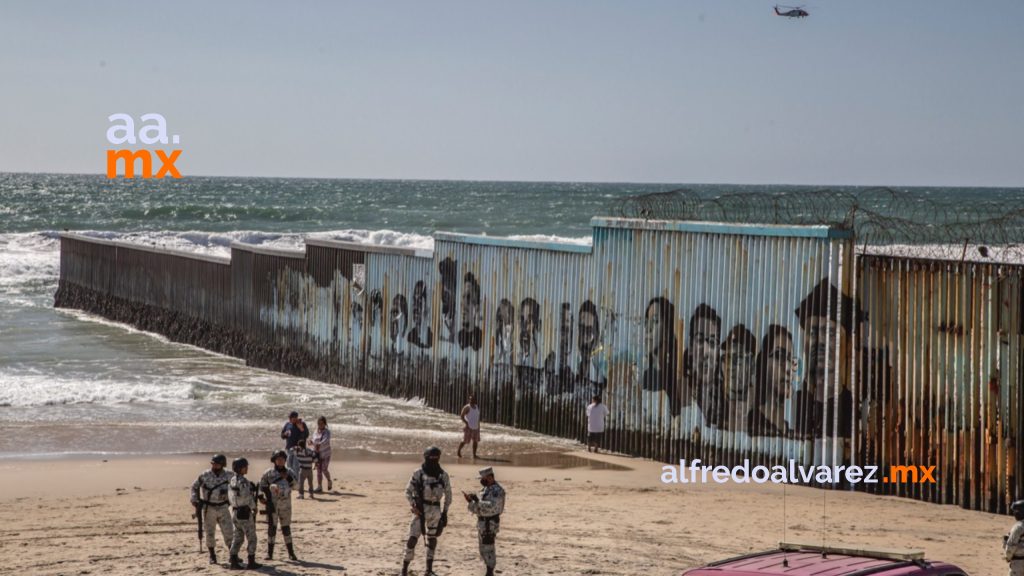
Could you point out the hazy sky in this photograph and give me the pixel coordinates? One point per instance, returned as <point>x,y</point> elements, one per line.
<point>868,92</point>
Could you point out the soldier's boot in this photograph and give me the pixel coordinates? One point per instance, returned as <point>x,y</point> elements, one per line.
<point>490,571</point>
<point>405,569</point>
<point>235,562</point>
<point>252,565</point>
<point>213,556</point>
<point>270,551</point>
<point>430,567</point>
<point>291,552</point>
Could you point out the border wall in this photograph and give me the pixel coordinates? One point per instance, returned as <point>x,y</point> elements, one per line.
<point>722,342</point>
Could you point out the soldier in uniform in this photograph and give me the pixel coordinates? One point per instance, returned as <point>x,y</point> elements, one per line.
<point>210,498</point>
<point>1013,544</point>
<point>488,507</point>
<point>429,483</point>
<point>242,496</point>
<point>275,489</point>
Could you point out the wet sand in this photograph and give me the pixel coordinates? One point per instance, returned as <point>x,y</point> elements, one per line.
<point>567,514</point>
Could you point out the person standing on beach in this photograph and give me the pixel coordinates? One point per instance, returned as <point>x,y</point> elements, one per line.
<point>210,498</point>
<point>487,506</point>
<point>275,489</point>
<point>293,436</point>
<point>322,447</point>
<point>428,485</point>
<point>242,496</point>
<point>596,413</point>
<point>305,458</point>
<point>471,425</point>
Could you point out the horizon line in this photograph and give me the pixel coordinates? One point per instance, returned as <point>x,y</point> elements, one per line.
<point>527,181</point>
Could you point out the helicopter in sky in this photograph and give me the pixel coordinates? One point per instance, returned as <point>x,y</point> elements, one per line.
<point>791,11</point>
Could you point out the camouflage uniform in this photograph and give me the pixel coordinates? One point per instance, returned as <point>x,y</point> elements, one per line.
<point>242,495</point>
<point>433,488</point>
<point>488,508</point>
<point>281,503</point>
<point>1013,549</point>
<point>212,490</point>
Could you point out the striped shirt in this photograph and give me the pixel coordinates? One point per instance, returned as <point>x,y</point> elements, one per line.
<point>305,458</point>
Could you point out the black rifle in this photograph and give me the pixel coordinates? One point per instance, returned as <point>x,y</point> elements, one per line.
<point>198,515</point>
<point>422,509</point>
<point>268,506</point>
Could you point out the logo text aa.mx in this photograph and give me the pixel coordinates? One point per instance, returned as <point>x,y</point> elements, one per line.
<point>122,132</point>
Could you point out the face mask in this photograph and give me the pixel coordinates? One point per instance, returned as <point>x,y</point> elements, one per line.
<point>483,482</point>
<point>432,467</point>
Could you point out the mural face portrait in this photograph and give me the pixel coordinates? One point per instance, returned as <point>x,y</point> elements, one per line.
<point>376,307</point>
<point>357,315</point>
<point>470,335</point>
<point>660,344</point>
<point>421,334</point>
<point>529,326</point>
<point>820,345</point>
<point>419,298</point>
<point>565,332</point>
<point>821,313</point>
<point>398,317</point>
<point>590,329</point>
<point>738,362</point>
<point>470,302</point>
<point>505,322</point>
<point>652,329</point>
<point>780,367</point>
<point>447,270</point>
<point>705,339</point>
<point>773,381</point>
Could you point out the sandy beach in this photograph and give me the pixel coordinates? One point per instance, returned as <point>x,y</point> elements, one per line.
<point>566,514</point>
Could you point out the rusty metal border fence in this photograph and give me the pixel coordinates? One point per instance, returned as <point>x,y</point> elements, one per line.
<point>946,389</point>
<point>719,341</point>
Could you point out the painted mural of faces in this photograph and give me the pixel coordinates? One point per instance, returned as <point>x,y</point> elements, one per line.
<point>421,335</point>
<point>589,328</point>
<point>660,344</point>
<point>820,344</point>
<point>470,302</point>
<point>821,313</point>
<point>652,329</point>
<point>738,353</point>
<point>504,324</point>
<point>705,339</point>
<point>565,333</point>
<point>357,315</point>
<point>398,317</point>
<point>376,307</point>
<point>529,327</point>
<point>470,333</point>
<point>419,301</point>
<point>773,382</point>
<point>449,274</point>
<point>779,366</point>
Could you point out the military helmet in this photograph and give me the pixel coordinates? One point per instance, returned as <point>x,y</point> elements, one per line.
<point>1017,508</point>
<point>433,451</point>
<point>238,463</point>
<point>219,459</point>
<point>278,454</point>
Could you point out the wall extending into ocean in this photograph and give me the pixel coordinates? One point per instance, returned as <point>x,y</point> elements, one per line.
<point>713,341</point>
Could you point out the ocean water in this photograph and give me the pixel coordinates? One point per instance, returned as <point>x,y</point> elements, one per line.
<point>75,384</point>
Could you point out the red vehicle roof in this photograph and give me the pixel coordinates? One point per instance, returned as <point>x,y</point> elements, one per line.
<point>808,563</point>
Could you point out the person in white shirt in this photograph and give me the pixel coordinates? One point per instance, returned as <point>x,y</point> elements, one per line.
<point>596,413</point>
<point>471,425</point>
